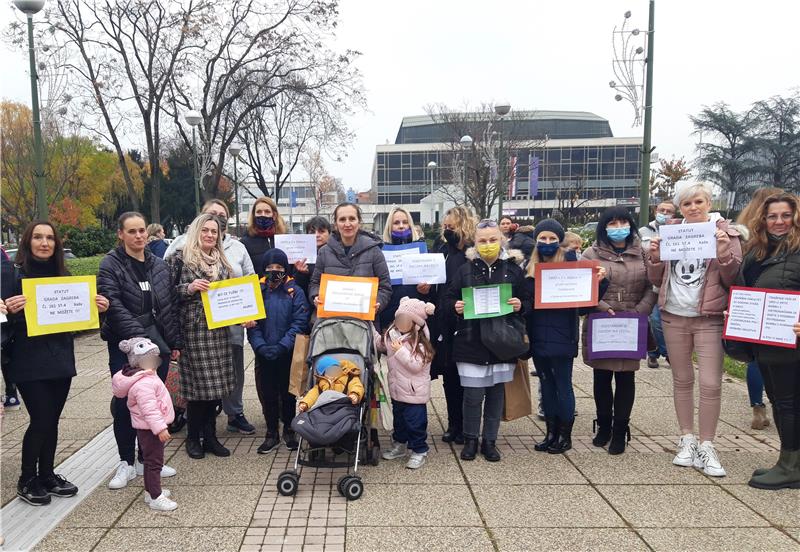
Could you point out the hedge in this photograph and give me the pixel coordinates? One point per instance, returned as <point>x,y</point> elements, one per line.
<point>87,242</point>
<point>87,266</point>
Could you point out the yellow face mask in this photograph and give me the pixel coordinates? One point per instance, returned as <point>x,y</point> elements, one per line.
<point>489,250</point>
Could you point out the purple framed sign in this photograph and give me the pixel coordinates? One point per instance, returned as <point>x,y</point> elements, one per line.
<point>623,335</point>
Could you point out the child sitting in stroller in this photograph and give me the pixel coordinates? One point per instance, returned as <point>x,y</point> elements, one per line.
<point>334,375</point>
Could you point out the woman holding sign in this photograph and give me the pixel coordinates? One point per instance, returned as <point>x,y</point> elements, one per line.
<point>351,251</point>
<point>263,224</point>
<point>483,373</point>
<point>42,367</point>
<point>693,295</point>
<point>772,261</point>
<point>617,249</point>
<point>553,335</point>
<point>399,230</point>
<point>207,373</point>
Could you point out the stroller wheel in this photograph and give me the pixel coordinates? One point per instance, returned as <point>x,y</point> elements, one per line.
<point>288,482</point>
<point>341,483</point>
<point>375,454</point>
<point>354,488</point>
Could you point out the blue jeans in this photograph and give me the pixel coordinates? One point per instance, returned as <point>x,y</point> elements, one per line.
<point>755,384</point>
<point>411,425</point>
<point>558,397</point>
<point>658,333</point>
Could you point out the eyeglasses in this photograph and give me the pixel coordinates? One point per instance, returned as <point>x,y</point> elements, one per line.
<point>487,223</point>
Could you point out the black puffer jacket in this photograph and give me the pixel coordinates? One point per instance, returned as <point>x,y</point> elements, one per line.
<point>116,280</point>
<point>38,358</point>
<point>779,272</point>
<point>523,240</point>
<point>467,345</point>
<point>364,259</point>
<point>256,247</point>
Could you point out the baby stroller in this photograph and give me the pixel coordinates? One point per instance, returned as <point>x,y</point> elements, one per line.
<point>337,428</point>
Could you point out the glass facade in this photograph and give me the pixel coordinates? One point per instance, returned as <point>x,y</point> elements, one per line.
<point>600,171</point>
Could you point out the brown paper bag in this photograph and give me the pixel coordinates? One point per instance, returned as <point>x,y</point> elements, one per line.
<point>518,393</point>
<point>299,371</point>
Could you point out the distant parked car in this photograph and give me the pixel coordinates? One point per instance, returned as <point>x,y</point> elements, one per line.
<point>589,227</point>
<point>68,254</point>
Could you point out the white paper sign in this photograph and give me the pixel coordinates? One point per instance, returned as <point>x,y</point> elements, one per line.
<point>763,316</point>
<point>424,268</point>
<point>688,241</point>
<point>745,313</point>
<point>567,285</point>
<point>615,334</point>
<point>348,296</point>
<point>62,303</point>
<point>3,318</point>
<point>298,247</point>
<point>487,299</point>
<point>229,302</point>
<point>394,259</point>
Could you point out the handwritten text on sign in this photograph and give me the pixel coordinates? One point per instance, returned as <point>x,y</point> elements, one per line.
<point>232,302</point>
<point>568,285</point>
<point>688,241</point>
<point>60,304</point>
<point>763,316</point>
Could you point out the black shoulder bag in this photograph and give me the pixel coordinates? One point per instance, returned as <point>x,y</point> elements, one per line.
<point>505,336</point>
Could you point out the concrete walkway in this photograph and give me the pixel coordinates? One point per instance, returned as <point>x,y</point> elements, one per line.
<point>584,500</point>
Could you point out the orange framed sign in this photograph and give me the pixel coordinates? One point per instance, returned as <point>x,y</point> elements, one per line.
<point>347,296</point>
<point>565,285</point>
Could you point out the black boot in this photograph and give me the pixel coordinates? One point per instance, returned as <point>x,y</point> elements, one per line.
<point>551,435</point>
<point>453,435</point>
<point>179,422</point>
<point>620,436</point>
<point>602,431</point>
<point>210,442</point>
<point>194,449</point>
<point>489,451</point>
<point>564,442</point>
<point>470,450</point>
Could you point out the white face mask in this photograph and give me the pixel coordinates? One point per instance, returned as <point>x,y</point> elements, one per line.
<point>661,218</point>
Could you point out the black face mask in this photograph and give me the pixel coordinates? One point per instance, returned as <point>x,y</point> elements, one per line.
<point>275,276</point>
<point>452,237</point>
<point>223,222</point>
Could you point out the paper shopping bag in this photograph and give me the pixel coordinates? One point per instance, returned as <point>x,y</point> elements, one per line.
<point>299,370</point>
<point>518,393</point>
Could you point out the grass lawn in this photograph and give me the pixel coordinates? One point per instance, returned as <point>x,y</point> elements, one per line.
<point>735,368</point>
<point>86,266</point>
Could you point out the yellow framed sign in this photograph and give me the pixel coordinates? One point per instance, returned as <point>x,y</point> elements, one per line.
<point>58,305</point>
<point>233,301</point>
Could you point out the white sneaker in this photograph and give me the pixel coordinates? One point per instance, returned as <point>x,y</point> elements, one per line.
<point>398,450</point>
<point>164,492</point>
<point>166,471</point>
<point>125,472</point>
<point>687,451</point>
<point>163,504</point>
<point>708,461</point>
<point>417,460</point>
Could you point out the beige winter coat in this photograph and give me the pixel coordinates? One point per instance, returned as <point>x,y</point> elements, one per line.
<point>629,291</point>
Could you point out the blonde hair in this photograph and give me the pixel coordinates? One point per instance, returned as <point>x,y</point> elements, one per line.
<point>691,190</point>
<point>752,211</point>
<point>559,257</point>
<point>280,226</point>
<point>387,228</point>
<point>192,253</point>
<point>759,240</point>
<point>464,222</point>
<point>153,230</point>
<point>218,202</point>
<point>568,236</point>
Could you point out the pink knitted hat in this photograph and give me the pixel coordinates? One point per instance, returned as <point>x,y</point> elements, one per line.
<point>417,310</point>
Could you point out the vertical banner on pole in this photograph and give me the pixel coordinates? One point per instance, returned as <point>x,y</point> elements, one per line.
<point>533,175</point>
<point>512,181</point>
<point>293,199</point>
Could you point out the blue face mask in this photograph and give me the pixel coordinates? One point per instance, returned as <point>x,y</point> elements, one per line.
<point>403,236</point>
<point>618,234</point>
<point>547,249</point>
<point>661,218</point>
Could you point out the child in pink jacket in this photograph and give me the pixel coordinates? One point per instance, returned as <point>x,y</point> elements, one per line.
<point>409,351</point>
<point>151,412</point>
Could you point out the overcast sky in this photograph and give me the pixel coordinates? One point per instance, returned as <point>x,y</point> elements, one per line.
<point>547,55</point>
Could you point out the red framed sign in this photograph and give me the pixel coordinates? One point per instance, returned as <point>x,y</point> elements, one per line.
<point>761,315</point>
<point>565,285</point>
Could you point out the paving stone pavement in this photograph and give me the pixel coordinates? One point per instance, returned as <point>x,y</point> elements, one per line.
<point>583,500</point>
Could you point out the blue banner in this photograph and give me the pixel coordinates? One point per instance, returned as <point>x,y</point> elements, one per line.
<point>533,175</point>
<point>394,258</point>
<point>293,199</point>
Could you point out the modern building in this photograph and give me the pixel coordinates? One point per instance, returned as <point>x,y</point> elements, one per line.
<point>582,165</point>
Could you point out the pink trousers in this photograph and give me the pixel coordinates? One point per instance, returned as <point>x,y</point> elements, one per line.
<point>701,335</point>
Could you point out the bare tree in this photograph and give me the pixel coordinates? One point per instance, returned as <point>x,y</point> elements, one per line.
<point>481,170</point>
<point>259,54</point>
<point>571,194</point>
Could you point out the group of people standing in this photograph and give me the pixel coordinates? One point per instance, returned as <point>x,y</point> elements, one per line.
<point>152,310</point>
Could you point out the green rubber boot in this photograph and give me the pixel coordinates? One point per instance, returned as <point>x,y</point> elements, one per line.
<point>785,474</point>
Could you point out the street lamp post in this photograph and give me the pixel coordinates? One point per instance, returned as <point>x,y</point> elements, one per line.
<point>644,206</point>
<point>30,7</point>
<point>194,118</point>
<point>234,149</point>
<point>501,109</point>
<point>432,167</point>
<point>466,143</point>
